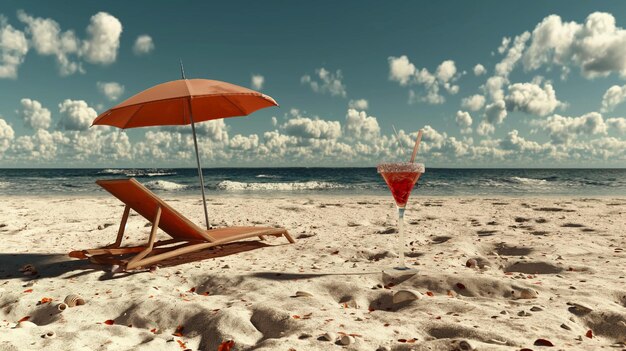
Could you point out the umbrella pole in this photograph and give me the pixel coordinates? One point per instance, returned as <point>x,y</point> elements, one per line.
<point>195,144</point>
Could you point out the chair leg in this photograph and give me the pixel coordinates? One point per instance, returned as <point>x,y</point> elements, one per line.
<point>120,232</point>
<point>155,225</point>
<point>288,237</point>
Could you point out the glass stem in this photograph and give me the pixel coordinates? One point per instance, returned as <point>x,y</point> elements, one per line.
<point>401,237</point>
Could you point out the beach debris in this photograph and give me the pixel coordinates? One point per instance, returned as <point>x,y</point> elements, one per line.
<point>117,269</point>
<point>29,269</point>
<point>61,307</point>
<point>26,324</point>
<point>406,295</point>
<point>465,345</point>
<point>347,340</point>
<point>524,293</point>
<point>109,322</point>
<point>523,313</point>
<point>576,307</point>
<point>388,230</point>
<point>565,326</point>
<point>536,309</point>
<point>304,336</point>
<point>589,334</point>
<point>73,300</point>
<point>301,293</point>
<point>471,263</point>
<point>104,226</point>
<point>49,334</point>
<point>226,345</point>
<point>543,342</point>
<point>330,336</point>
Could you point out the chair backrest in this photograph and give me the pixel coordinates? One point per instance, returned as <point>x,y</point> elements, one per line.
<point>145,202</point>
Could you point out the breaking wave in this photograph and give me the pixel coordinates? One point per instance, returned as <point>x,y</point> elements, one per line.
<point>164,185</point>
<point>310,185</point>
<point>138,172</point>
<point>528,181</point>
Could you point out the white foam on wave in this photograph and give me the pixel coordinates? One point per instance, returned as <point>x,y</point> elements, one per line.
<point>164,185</point>
<point>528,181</point>
<point>267,176</point>
<point>310,185</point>
<point>112,171</point>
<point>4,185</point>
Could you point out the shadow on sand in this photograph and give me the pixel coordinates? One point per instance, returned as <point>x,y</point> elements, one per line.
<point>57,265</point>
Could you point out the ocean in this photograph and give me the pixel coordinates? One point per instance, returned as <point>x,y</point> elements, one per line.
<point>322,181</point>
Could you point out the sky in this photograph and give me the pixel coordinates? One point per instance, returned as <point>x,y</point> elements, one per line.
<point>490,83</point>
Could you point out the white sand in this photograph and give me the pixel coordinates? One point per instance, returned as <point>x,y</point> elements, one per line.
<point>562,251</point>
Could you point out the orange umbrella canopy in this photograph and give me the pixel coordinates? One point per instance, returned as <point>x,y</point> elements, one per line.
<point>171,103</point>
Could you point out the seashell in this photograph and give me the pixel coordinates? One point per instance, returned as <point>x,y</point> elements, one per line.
<point>73,300</point>
<point>330,336</point>
<point>303,294</point>
<point>346,340</point>
<point>406,295</point>
<point>49,334</point>
<point>28,269</point>
<point>26,324</point>
<point>61,307</point>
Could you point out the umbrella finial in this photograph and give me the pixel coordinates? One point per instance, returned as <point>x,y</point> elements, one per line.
<point>182,69</point>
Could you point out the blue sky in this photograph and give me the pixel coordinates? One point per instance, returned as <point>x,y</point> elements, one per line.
<point>538,103</point>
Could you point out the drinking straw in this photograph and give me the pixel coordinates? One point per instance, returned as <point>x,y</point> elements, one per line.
<point>417,145</point>
<point>398,139</point>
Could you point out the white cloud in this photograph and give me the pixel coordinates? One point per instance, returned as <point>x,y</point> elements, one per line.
<point>104,33</point>
<point>307,128</point>
<point>596,46</point>
<point>619,124</point>
<point>76,115</point>
<point>215,130</point>
<point>143,45</point>
<point>360,104</point>
<point>614,96</point>
<point>360,126</point>
<point>504,45</point>
<point>474,102</point>
<point>495,113</point>
<point>485,128</point>
<point>400,69</point>
<point>504,67</point>
<point>404,72</point>
<point>257,81</point>
<point>563,130</point>
<point>48,39</point>
<point>494,87</point>
<point>245,143</point>
<point>513,141</point>
<point>464,120</point>
<point>532,99</point>
<point>479,70</point>
<point>328,82</point>
<point>6,136</point>
<point>112,90</point>
<point>274,121</point>
<point>101,46</point>
<point>13,48</point>
<point>35,116</point>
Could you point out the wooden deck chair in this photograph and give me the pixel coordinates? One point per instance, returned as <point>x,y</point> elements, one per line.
<point>186,236</point>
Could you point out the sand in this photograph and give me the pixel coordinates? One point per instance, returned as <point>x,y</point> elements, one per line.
<point>545,268</point>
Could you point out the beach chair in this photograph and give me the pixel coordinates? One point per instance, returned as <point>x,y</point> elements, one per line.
<point>186,236</point>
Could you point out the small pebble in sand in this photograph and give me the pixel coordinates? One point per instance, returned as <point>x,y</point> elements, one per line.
<point>383,348</point>
<point>504,312</point>
<point>406,295</point>
<point>347,340</point>
<point>524,314</point>
<point>536,309</point>
<point>565,326</point>
<point>304,336</point>
<point>303,294</point>
<point>465,345</point>
<point>579,308</point>
<point>471,263</point>
<point>525,294</point>
<point>330,336</point>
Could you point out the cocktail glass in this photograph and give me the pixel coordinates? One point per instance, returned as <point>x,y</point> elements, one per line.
<point>400,178</point>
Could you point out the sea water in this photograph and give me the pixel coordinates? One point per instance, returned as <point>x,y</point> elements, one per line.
<point>326,181</point>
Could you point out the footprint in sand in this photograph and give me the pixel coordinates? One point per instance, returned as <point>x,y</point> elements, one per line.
<point>572,225</point>
<point>553,209</point>
<point>533,268</point>
<point>441,239</point>
<point>505,250</point>
<point>486,232</point>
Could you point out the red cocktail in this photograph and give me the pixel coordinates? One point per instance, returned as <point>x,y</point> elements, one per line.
<point>400,178</point>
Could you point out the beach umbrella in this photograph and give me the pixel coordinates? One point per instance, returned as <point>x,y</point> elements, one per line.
<point>182,102</point>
